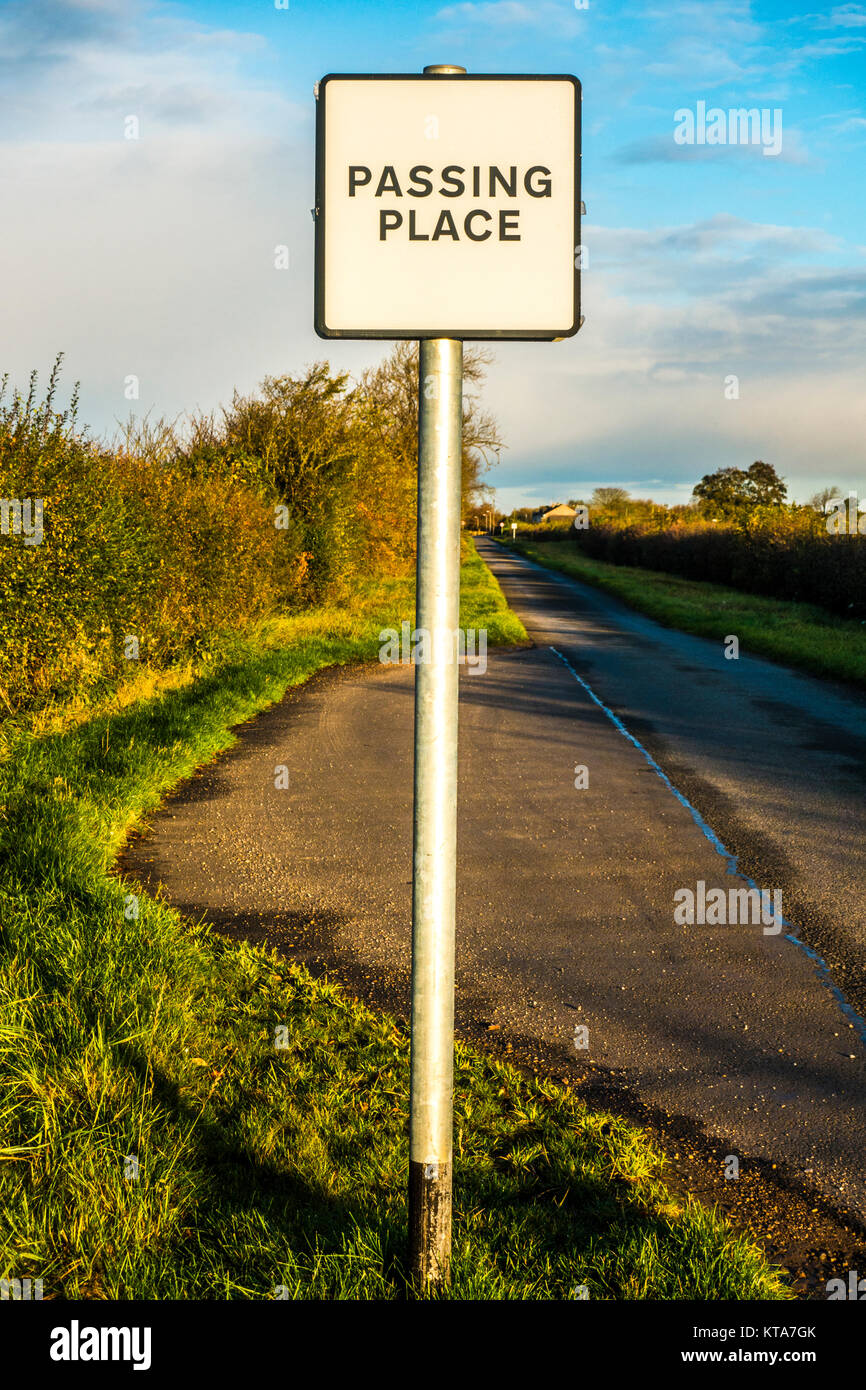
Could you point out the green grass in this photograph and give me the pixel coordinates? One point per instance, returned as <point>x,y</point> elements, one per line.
<point>265,1167</point>
<point>797,634</point>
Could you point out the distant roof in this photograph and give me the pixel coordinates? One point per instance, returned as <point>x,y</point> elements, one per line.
<point>562,509</point>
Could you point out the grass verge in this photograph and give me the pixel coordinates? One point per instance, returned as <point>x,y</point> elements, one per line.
<point>797,634</point>
<point>186,1117</point>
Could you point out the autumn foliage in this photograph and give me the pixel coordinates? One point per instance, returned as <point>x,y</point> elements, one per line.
<point>177,535</point>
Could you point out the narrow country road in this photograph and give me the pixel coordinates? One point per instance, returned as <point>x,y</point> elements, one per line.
<point>567,894</point>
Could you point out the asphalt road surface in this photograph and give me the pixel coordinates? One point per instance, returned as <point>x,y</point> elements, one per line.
<point>700,770</point>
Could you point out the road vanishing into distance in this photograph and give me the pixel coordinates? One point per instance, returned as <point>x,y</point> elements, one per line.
<point>700,769</point>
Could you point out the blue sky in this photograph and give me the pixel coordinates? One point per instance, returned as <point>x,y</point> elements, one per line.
<point>154,257</point>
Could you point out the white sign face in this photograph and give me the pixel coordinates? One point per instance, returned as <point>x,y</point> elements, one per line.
<point>447,207</point>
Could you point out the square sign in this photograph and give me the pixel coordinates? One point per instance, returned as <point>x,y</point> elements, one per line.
<point>447,206</point>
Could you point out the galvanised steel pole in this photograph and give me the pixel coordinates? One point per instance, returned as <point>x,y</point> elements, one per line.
<point>434,882</point>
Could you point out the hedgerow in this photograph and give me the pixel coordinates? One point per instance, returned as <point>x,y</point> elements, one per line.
<point>779,552</point>
<point>159,547</point>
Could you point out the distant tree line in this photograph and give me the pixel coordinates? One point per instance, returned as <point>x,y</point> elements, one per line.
<point>738,530</point>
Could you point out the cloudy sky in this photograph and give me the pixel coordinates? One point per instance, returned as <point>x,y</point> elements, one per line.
<point>154,256</point>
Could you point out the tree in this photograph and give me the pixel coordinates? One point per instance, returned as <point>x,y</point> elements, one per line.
<point>722,493</point>
<point>340,458</point>
<point>611,498</point>
<point>730,491</point>
<point>764,486</point>
<point>392,388</point>
<point>307,439</point>
<point>819,500</point>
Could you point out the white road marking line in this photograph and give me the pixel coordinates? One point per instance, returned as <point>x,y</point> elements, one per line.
<point>821,969</point>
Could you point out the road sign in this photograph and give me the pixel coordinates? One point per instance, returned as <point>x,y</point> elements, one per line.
<point>448,206</point>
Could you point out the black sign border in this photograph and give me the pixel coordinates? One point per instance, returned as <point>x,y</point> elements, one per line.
<point>319,212</point>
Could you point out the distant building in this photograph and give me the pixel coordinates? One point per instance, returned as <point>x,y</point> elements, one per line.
<point>560,513</point>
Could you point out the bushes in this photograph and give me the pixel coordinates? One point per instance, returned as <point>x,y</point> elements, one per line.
<point>293,496</point>
<point>304,441</point>
<point>777,552</point>
<point>131,547</point>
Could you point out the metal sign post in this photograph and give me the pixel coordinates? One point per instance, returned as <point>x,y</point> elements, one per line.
<point>434,883</point>
<point>447,208</point>
<point>434,877</point>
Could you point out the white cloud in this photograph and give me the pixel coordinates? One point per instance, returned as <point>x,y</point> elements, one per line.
<point>74,70</point>
<point>663,149</point>
<point>721,233</point>
<point>828,48</point>
<point>726,19</point>
<point>503,17</point>
<point>720,297</point>
<point>843,17</point>
<point>151,256</point>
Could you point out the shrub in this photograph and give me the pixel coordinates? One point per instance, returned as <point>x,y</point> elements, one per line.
<point>292,496</point>
<point>131,546</point>
<point>777,551</point>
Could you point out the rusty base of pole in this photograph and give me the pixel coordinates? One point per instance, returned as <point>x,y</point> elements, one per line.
<point>430,1223</point>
